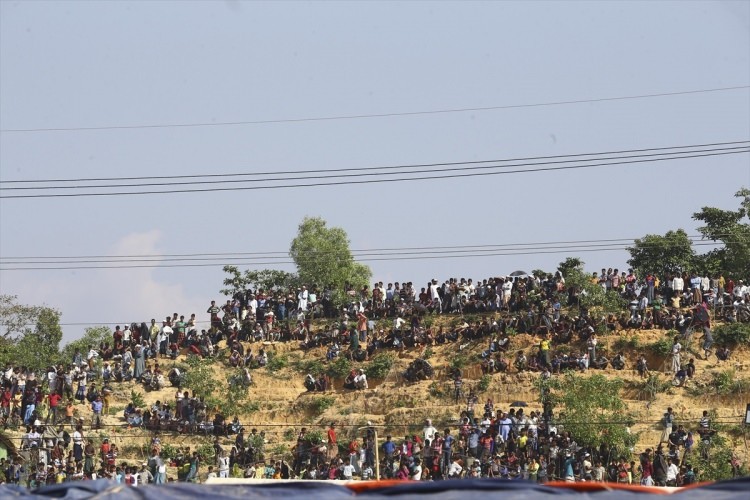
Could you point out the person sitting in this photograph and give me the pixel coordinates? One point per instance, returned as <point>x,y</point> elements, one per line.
<point>680,377</point>
<point>309,382</point>
<point>360,380</point>
<point>322,383</point>
<point>600,363</point>
<point>642,366</point>
<point>722,353</point>
<point>520,362</point>
<point>618,363</point>
<point>235,359</point>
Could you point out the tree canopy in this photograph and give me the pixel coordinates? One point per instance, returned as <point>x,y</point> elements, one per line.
<point>31,334</point>
<point>322,256</point>
<point>732,228</point>
<point>661,255</point>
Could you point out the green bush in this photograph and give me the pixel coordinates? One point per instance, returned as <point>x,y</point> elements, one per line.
<point>459,361</point>
<point>484,383</point>
<point>206,453</point>
<point>137,399</point>
<point>662,347</point>
<point>168,451</point>
<point>276,362</point>
<point>732,334</point>
<point>321,404</point>
<point>726,383</point>
<point>624,343</point>
<point>312,366</point>
<point>380,365</point>
<point>339,367</point>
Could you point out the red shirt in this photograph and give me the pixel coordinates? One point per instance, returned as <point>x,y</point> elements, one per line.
<point>54,400</point>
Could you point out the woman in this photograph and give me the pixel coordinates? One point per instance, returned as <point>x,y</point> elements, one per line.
<point>140,362</point>
<point>78,444</point>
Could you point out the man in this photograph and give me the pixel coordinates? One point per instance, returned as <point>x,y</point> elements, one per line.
<point>96,407</point>
<point>676,349</point>
<point>333,447</point>
<point>223,464</point>
<point>447,450</point>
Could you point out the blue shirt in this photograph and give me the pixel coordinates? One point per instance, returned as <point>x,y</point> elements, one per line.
<point>447,442</point>
<point>389,447</point>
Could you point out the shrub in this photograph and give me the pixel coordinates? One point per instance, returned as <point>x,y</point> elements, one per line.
<point>484,383</point>
<point>380,365</point>
<point>339,367</point>
<point>277,362</point>
<point>653,385</point>
<point>312,366</point>
<point>662,347</point>
<point>459,361</point>
<point>206,453</point>
<point>168,451</point>
<point>137,399</point>
<point>623,343</point>
<point>726,383</point>
<point>321,404</point>
<point>732,333</point>
<point>427,354</point>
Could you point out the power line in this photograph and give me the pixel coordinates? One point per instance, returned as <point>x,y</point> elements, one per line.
<point>391,167</point>
<point>371,181</point>
<point>511,252</point>
<point>365,174</point>
<point>388,249</point>
<point>447,253</point>
<point>375,115</point>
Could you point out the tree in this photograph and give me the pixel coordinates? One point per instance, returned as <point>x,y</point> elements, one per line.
<point>266,279</point>
<point>662,255</point>
<point>323,257</point>
<point>92,337</point>
<point>569,265</point>
<point>591,409</point>
<point>20,344</point>
<point>732,228</point>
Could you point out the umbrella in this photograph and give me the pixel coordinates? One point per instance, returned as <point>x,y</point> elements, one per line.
<point>519,273</point>
<point>518,403</point>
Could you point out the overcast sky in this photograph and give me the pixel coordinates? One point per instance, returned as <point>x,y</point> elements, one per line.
<point>121,64</point>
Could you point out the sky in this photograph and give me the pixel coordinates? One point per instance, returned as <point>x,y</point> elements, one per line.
<point>104,73</point>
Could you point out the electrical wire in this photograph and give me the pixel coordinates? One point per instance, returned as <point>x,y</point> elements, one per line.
<point>369,181</point>
<point>366,259</point>
<point>324,252</point>
<point>389,167</point>
<point>374,115</point>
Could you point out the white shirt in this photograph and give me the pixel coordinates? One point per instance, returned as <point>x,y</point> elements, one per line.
<point>429,433</point>
<point>672,472</point>
<point>348,471</point>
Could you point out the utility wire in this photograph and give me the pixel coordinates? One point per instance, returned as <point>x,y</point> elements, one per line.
<point>370,181</point>
<point>446,253</point>
<point>324,252</point>
<point>511,252</point>
<point>391,167</point>
<point>374,115</point>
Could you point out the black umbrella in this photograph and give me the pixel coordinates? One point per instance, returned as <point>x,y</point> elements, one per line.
<point>519,273</point>
<point>518,403</point>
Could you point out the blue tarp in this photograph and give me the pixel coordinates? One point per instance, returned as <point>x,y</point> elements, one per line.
<point>738,489</point>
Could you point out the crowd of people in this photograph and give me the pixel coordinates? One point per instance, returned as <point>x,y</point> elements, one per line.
<point>499,444</point>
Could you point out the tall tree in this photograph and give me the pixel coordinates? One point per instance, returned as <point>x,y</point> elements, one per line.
<point>661,255</point>
<point>732,228</point>
<point>267,279</point>
<point>31,334</point>
<point>323,257</point>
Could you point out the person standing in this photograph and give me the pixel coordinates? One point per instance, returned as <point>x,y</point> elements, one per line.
<point>333,447</point>
<point>676,349</point>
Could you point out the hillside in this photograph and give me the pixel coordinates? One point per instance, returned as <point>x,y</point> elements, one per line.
<point>280,404</point>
